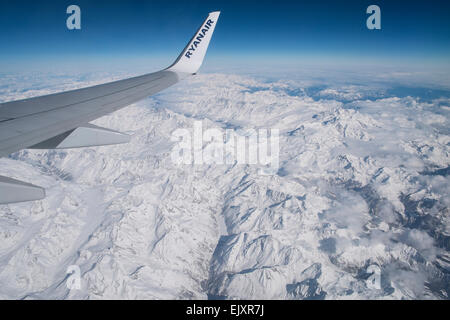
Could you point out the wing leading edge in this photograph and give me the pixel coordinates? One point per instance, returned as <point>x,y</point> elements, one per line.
<point>52,121</point>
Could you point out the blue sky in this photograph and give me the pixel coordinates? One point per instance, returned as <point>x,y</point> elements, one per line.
<point>267,32</point>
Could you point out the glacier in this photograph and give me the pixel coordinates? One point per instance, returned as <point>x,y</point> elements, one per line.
<point>363,180</point>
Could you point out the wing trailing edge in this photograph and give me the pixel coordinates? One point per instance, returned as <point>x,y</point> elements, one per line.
<point>13,191</point>
<point>84,136</point>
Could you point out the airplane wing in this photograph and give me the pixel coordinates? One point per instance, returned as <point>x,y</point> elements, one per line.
<point>61,120</point>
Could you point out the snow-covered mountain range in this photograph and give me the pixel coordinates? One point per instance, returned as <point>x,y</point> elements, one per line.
<point>363,181</point>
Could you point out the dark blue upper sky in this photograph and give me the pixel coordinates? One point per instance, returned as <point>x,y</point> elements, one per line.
<point>413,32</point>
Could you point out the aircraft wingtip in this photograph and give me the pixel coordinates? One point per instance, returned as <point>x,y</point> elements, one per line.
<point>191,58</point>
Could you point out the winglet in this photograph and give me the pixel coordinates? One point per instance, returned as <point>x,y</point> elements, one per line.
<point>191,59</point>
<point>13,191</point>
